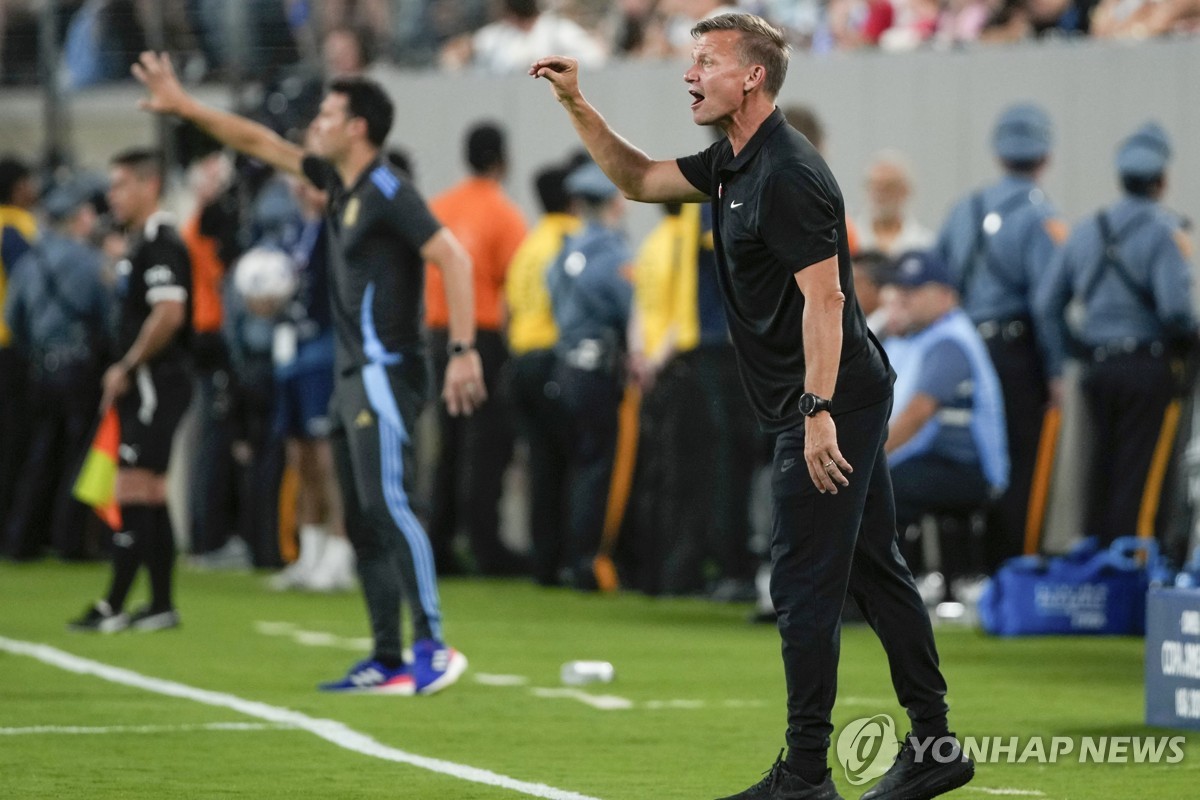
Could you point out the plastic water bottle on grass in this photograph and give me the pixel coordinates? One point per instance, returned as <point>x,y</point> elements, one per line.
<point>579,673</point>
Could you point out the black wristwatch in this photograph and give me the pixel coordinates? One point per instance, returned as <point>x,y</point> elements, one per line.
<point>459,348</point>
<point>811,405</point>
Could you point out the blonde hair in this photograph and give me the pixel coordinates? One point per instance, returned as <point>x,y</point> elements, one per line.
<point>760,43</point>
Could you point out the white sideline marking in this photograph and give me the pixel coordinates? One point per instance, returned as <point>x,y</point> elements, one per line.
<point>656,705</point>
<point>1014,792</point>
<point>601,702</point>
<point>604,702</point>
<point>862,701</point>
<point>208,726</point>
<point>488,679</point>
<point>329,730</point>
<point>313,638</point>
<point>744,703</point>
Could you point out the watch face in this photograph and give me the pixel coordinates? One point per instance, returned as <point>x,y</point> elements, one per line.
<point>808,404</point>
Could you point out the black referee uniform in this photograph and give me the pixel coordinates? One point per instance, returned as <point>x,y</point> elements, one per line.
<point>378,227</point>
<point>777,208</point>
<point>158,269</point>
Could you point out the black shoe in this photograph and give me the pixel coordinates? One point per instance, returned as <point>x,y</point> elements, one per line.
<point>934,774</point>
<point>780,783</point>
<point>100,618</point>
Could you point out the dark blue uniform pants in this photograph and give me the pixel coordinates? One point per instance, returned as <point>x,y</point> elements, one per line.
<point>540,420</point>
<point>59,422</point>
<point>591,400</point>
<point>1023,382</point>
<point>824,545</point>
<point>473,456</point>
<point>1126,398</point>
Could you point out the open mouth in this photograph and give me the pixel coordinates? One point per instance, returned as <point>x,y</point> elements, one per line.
<point>697,98</point>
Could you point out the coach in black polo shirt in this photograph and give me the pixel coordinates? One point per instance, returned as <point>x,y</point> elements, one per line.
<point>814,375</point>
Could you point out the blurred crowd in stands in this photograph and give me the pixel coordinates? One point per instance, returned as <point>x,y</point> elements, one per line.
<point>215,38</point>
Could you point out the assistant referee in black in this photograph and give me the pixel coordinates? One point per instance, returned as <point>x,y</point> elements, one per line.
<point>815,377</point>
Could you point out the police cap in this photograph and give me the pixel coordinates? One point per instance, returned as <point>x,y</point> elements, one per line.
<point>589,181</point>
<point>1145,153</point>
<point>1022,133</point>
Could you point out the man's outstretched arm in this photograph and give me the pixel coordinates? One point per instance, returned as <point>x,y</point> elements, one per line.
<point>167,96</point>
<point>637,175</point>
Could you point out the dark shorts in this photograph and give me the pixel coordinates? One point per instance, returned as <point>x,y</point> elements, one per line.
<point>303,390</point>
<point>150,412</point>
<point>302,404</point>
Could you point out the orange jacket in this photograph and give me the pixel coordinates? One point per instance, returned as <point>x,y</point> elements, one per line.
<point>207,273</point>
<point>490,228</point>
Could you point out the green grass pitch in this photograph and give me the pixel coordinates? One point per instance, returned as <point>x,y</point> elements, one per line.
<point>700,693</point>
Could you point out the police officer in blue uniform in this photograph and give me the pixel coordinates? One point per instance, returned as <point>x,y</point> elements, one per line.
<point>999,242</point>
<point>1128,266</point>
<point>57,309</point>
<point>591,297</point>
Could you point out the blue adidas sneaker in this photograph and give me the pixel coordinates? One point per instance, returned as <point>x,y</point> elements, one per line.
<point>436,666</point>
<point>371,677</point>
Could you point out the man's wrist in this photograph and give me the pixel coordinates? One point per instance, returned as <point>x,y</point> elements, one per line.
<point>459,347</point>
<point>127,364</point>
<point>812,404</point>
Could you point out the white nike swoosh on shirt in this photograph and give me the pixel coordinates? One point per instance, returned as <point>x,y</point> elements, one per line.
<point>735,205</point>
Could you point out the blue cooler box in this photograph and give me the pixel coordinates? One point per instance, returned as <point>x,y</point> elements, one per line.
<point>1173,658</point>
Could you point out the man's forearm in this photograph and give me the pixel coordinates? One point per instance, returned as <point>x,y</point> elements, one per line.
<point>822,329</point>
<point>460,298</point>
<point>156,333</point>
<point>910,421</point>
<point>624,164</point>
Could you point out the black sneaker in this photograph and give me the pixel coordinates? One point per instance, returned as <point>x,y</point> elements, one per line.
<point>147,619</point>
<point>938,771</point>
<point>100,618</point>
<point>780,783</point>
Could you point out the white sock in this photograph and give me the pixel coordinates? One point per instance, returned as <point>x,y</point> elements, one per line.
<point>313,541</point>
<point>336,568</point>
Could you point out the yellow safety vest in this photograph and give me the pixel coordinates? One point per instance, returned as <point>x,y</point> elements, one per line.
<point>530,321</point>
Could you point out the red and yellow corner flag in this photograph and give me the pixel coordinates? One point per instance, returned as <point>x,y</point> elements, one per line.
<point>97,482</point>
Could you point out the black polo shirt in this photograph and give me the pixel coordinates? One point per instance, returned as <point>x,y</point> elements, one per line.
<point>776,210</point>
<point>376,228</point>
<point>157,268</point>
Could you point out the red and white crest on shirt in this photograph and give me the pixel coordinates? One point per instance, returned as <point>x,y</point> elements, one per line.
<point>720,190</point>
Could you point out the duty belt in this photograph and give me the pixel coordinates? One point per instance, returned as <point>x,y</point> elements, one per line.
<point>1127,347</point>
<point>589,355</point>
<point>1008,330</point>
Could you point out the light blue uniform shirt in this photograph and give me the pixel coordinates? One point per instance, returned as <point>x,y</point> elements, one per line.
<point>1017,248</point>
<point>1147,248</point>
<point>57,301</point>
<point>589,295</point>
